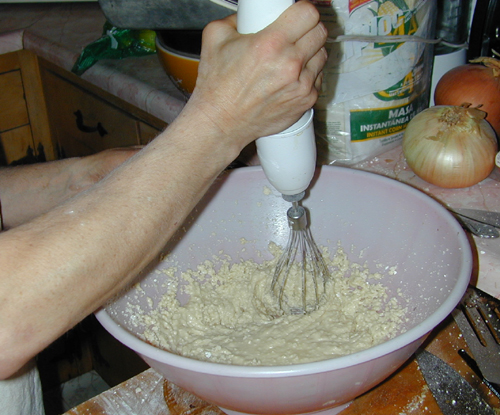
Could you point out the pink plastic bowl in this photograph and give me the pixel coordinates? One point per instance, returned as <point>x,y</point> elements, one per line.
<point>389,222</point>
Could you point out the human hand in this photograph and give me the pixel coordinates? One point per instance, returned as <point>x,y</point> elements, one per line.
<point>259,84</point>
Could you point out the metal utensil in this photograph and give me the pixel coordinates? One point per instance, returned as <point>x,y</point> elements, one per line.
<point>494,388</point>
<point>303,262</point>
<point>479,215</point>
<point>477,228</point>
<point>480,325</point>
<point>453,394</point>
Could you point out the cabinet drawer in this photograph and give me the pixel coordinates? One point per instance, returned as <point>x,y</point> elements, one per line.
<point>83,123</point>
<point>13,111</point>
<point>147,133</point>
<point>16,143</point>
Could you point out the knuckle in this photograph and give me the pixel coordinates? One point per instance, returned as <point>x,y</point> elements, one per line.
<point>313,97</point>
<point>304,91</point>
<point>271,46</point>
<point>211,29</point>
<point>321,33</point>
<point>292,68</point>
<point>313,12</point>
<point>309,10</point>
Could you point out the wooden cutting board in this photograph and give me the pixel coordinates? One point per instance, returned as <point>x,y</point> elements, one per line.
<point>404,393</point>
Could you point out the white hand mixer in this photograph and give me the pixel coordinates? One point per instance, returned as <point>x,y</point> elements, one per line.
<point>289,160</point>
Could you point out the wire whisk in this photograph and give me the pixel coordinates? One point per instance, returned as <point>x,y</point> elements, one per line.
<point>301,272</point>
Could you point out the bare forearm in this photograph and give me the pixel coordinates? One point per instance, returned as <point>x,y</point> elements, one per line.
<point>98,242</point>
<point>28,191</point>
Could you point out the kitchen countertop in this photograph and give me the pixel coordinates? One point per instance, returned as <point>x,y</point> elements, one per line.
<point>59,32</point>
<point>404,393</point>
<point>484,195</point>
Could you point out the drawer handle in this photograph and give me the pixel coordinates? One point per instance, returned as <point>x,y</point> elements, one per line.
<point>85,128</point>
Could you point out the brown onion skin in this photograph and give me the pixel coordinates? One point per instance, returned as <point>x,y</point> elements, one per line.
<point>474,84</point>
<point>450,158</point>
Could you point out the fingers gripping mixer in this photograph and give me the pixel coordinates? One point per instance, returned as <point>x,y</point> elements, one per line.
<point>287,158</point>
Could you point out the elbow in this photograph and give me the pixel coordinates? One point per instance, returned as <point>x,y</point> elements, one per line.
<point>13,358</point>
<point>12,366</point>
<point>10,369</point>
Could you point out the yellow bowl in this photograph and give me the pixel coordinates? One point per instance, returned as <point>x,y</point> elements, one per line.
<point>180,66</point>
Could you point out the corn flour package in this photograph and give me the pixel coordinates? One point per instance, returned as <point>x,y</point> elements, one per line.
<point>377,76</point>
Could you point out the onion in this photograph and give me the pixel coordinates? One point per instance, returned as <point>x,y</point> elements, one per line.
<point>450,146</point>
<point>476,84</point>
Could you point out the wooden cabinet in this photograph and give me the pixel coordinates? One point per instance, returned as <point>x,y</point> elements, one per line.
<point>14,112</point>
<point>24,131</point>
<point>47,113</point>
<point>83,124</point>
<point>85,119</point>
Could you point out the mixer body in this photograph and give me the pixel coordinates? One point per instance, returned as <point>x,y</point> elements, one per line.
<point>288,158</point>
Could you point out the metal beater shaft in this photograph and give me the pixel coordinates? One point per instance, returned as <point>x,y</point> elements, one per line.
<point>302,253</point>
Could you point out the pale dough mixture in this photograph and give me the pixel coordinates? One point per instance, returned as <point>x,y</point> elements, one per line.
<point>231,317</point>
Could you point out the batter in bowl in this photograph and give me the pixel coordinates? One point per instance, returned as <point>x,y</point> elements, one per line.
<point>232,317</point>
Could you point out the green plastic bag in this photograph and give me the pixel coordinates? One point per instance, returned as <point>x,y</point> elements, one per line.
<point>116,43</point>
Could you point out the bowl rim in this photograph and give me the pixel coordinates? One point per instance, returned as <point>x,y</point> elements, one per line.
<point>183,55</point>
<point>420,331</point>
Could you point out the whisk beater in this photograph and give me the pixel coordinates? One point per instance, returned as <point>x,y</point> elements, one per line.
<point>301,272</point>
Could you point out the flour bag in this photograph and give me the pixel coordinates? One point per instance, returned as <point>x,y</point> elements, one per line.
<point>374,82</point>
